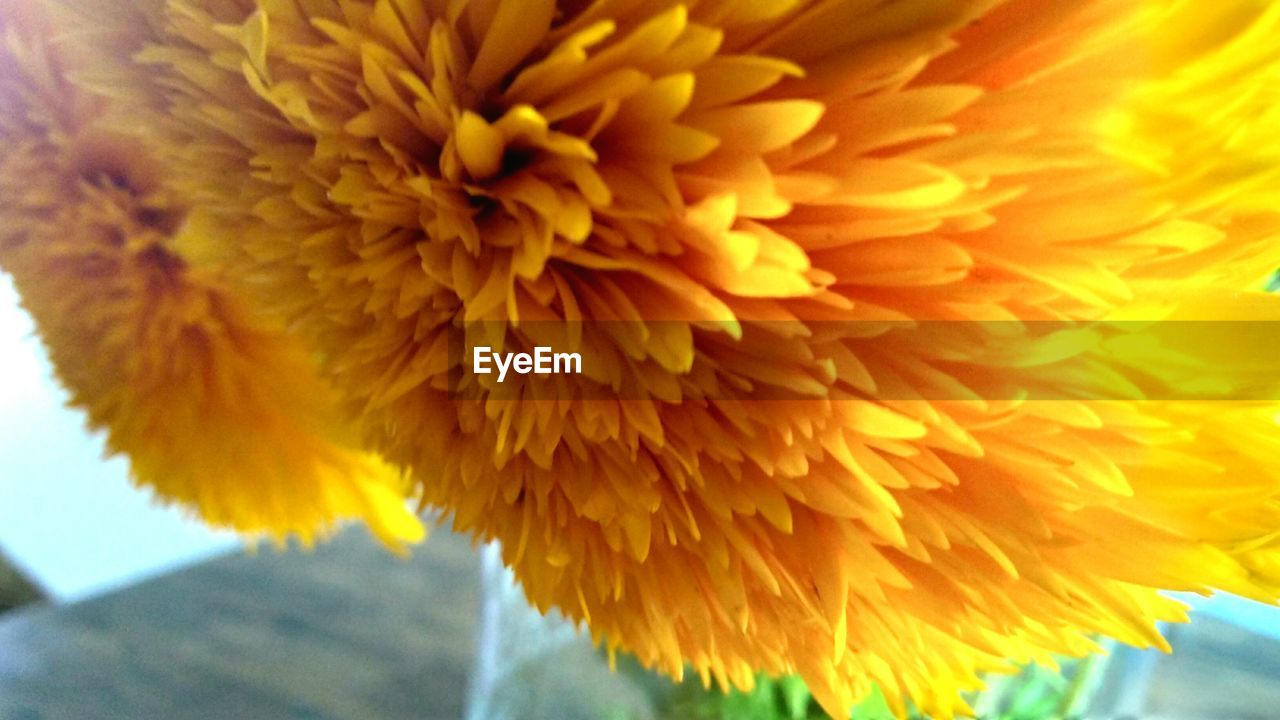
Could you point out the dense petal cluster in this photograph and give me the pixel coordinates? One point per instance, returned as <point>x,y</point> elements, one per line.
<point>217,409</point>
<point>736,210</point>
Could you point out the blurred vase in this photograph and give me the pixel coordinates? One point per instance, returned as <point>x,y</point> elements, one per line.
<point>531,666</point>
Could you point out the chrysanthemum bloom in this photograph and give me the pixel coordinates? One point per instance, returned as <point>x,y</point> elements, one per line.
<point>218,410</point>
<point>694,195</point>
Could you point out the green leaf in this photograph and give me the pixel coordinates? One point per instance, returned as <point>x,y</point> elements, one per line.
<point>795,697</point>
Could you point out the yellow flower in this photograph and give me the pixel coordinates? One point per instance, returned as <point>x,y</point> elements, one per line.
<point>717,202</point>
<point>218,411</point>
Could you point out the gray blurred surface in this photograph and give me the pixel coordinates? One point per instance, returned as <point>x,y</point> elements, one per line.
<point>1217,671</point>
<point>347,631</point>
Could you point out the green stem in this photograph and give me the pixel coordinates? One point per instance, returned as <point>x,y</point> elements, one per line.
<point>1080,683</point>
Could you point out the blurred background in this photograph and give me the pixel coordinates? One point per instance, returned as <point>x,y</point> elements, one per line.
<point>105,590</point>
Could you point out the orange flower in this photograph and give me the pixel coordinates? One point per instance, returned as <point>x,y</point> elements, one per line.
<point>732,208</point>
<point>218,410</point>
